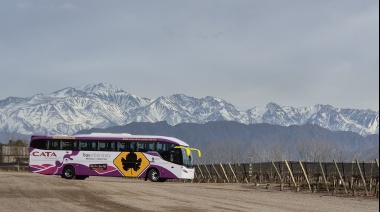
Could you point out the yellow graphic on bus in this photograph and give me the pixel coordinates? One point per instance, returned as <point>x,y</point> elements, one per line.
<point>131,164</point>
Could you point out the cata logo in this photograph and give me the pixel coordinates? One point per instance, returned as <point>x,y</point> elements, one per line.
<point>44,154</point>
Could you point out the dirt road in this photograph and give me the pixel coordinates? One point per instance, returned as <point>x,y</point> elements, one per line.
<point>23,191</point>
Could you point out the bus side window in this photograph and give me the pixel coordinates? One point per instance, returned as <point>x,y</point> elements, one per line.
<point>163,146</point>
<point>130,146</point>
<point>120,145</point>
<point>163,149</point>
<point>140,147</point>
<point>76,145</point>
<point>87,145</point>
<point>39,144</point>
<point>127,146</point>
<point>106,145</point>
<point>175,156</point>
<point>67,145</point>
<point>160,147</point>
<point>83,145</point>
<point>151,146</point>
<point>92,145</point>
<point>144,146</point>
<point>102,145</point>
<point>54,144</point>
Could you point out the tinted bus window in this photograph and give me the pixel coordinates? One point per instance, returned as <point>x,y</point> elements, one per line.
<point>127,146</point>
<point>39,144</point>
<point>54,144</point>
<point>106,146</point>
<point>145,146</point>
<point>68,145</point>
<point>162,146</point>
<point>176,156</point>
<point>88,145</point>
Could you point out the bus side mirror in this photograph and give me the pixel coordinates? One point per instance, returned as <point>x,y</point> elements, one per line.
<point>199,151</point>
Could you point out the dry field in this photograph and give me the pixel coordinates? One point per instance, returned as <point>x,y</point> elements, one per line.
<point>23,191</point>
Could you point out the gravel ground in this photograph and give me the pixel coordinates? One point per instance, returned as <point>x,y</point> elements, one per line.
<point>23,191</point>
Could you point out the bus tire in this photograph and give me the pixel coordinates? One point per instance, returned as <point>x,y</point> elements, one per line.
<point>68,172</point>
<point>154,175</point>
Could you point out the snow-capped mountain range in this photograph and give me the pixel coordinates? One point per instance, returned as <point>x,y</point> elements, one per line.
<point>70,110</point>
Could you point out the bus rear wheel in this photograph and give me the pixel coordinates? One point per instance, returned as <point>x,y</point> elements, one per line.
<point>68,172</point>
<point>154,176</point>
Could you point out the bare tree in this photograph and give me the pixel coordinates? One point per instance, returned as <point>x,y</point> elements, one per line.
<point>277,151</point>
<point>223,152</point>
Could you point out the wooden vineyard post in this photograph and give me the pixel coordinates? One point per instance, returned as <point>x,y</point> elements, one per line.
<point>209,174</point>
<point>279,175</point>
<point>324,177</point>
<point>340,176</point>
<point>200,170</point>
<point>291,174</point>
<point>304,173</point>
<point>216,171</point>
<point>233,172</point>
<point>361,174</point>
<point>224,172</point>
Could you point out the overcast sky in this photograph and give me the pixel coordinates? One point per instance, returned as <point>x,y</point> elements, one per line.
<point>249,53</point>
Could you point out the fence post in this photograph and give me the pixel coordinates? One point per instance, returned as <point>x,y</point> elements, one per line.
<point>324,177</point>
<point>361,174</point>
<point>340,176</point>
<point>200,170</point>
<point>278,173</point>
<point>209,175</point>
<point>291,174</point>
<point>224,172</point>
<point>279,176</point>
<point>304,172</point>
<point>216,171</point>
<point>233,172</point>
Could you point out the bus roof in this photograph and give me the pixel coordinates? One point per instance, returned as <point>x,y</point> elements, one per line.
<point>119,136</point>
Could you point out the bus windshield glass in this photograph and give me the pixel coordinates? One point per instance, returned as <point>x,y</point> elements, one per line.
<point>187,159</point>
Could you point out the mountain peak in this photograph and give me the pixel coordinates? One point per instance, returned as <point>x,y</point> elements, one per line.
<point>100,88</point>
<point>103,105</point>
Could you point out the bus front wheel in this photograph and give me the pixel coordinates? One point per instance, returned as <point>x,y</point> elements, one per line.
<point>68,172</point>
<point>154,176</point>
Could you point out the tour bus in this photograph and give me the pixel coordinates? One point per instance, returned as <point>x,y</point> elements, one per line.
<point>156,158</point>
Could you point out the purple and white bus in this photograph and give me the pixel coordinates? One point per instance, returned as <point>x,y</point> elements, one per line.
<point>156,158</point>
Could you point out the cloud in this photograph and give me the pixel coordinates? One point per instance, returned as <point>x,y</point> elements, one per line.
<point>247,52</point>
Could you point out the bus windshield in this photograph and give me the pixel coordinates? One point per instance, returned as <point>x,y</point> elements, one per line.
<point>187,159</point>
<point>181,155</point>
